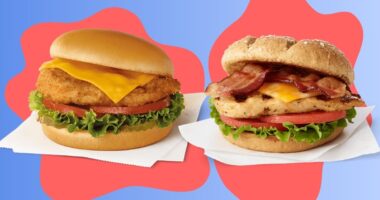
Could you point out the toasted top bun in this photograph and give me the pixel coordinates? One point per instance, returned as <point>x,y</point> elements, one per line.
<point>315,55</point>
<point>112,49</point>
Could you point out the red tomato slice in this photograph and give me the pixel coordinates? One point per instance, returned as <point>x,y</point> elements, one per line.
<point>305,118</point>
<point>131,110</point>
<point>64,108</point>
<point>236,122</point>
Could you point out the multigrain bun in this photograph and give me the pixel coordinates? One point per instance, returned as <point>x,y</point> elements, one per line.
<point>315,55</point>
<point>112,49</point>
<point>124,140</point>
<point>272,144</point>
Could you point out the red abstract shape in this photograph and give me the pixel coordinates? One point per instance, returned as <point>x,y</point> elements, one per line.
<point>79,178</point>
<point>299,20</point>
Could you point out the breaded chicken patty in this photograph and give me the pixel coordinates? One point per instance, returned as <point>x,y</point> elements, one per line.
<point>257,105</point>
<point>60,87</point>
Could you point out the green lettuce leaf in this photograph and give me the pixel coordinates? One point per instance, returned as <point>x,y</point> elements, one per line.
<point>108,123</point>
<point>307,133</point>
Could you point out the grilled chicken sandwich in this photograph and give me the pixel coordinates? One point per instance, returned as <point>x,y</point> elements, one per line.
<point>106,90</point>
<point>283,95</point>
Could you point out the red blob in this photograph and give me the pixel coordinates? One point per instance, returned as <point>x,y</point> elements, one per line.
<point>81,178</point>
<point>299,20</point>
<point>78,178</point>
<point>281,181</point>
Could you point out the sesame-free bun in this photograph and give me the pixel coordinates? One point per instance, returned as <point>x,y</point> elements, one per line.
<point>272,144</point>
<point>112,49</point>
<point>315,55</point>
<point>124,140</point>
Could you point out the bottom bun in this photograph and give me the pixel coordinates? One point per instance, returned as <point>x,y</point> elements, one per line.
<point>122,141</point>
<point>272,144</point>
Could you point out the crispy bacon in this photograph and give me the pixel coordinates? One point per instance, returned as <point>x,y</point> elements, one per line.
<point>303,83</point>
<point>328,86</point>
<point>252,76</point>
<point>243,82</point>
<point>331,87</point>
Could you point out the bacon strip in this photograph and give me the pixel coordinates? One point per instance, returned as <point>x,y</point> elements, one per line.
<point>328,86</point>
<point>252,76</point>
<point>331,87</point>
<point>243,82</point>
<point>304,84</point>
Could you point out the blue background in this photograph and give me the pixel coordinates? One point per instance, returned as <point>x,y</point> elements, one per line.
<point>194,25</point>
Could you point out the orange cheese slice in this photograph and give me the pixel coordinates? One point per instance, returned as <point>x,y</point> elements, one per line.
<point>116,84</point>
<point>284,92</point>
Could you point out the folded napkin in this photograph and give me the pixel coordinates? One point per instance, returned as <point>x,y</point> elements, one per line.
<point>357,139</point>
<point>29,138</point>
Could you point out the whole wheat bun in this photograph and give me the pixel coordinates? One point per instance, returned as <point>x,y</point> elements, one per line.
<point>121,141</point>
<point>112,49</point>
<point>272,144</point>
<point>315,55</point>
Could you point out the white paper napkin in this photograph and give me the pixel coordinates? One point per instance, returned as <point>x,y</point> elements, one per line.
<point>357,139</point>
<point>29,138</point>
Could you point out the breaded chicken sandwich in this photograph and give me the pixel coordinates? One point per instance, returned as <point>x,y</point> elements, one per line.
<point>106,90</point>
<point>283,95</point>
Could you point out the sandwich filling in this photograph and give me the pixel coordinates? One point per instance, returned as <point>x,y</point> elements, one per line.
<point>282,101</point>
<point>100,100</point>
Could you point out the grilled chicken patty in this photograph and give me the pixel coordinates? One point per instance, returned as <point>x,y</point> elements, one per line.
<point>258,105</point>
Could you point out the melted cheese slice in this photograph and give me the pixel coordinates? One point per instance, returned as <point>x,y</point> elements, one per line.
<point>116,84</point>
<point>284,92</point>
